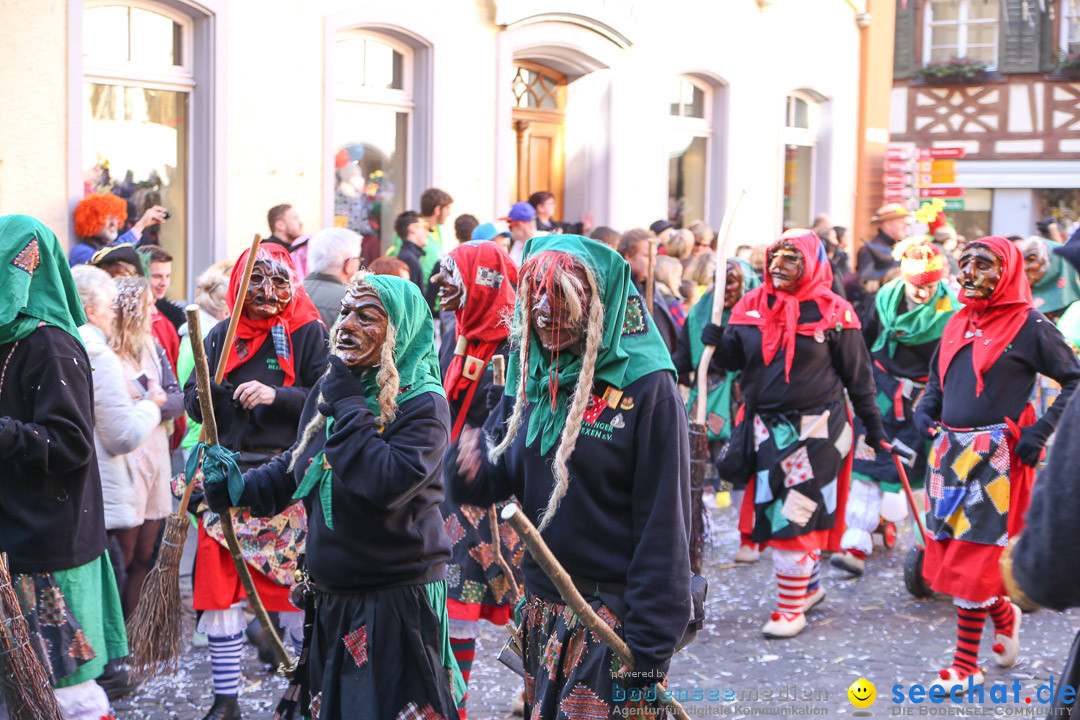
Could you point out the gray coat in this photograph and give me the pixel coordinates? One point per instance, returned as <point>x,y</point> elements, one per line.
<point>326,292</point>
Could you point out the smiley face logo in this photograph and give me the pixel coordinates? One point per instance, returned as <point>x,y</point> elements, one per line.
<point>862,693</point>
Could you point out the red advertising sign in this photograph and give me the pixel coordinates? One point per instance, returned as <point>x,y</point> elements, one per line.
<point>941,192</point>
<point>896,193</point>
<point>898,166</point>
<point>897,153</point>
<point>953,153</point>
<point>896,179</point>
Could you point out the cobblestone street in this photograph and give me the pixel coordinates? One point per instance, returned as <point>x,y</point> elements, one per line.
<point>869,628</point>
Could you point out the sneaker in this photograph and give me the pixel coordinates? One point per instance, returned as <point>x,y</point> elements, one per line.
<point>954,677</point>
<point>1007,647</point>
<point>849,562</point>
<point>747,554</point>
<point>813,599</point>
<point>784,625</point>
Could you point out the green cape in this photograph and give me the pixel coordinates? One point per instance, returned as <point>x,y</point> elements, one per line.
<point>923,324</point>
<point>35,282</point>
<point>631,347</point>
<point>1059,287</point>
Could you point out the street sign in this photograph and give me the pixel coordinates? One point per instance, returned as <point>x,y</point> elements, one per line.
<point>941,192</point>
<point>953,153</point>
<point>937,166</point>
<point>895,166</point>
<point>953,204</point>
<point>937,179</point>
<point>897,193</point>
<point>898,153</point>
<point>896,179</point>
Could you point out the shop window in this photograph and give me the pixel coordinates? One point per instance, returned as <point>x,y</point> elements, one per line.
<point>688,152</point>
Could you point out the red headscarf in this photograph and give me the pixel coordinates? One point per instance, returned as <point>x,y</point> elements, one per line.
<point>488,276</point>
<point>993,322</point>
<point>780,323</point>
<point>252,332</point>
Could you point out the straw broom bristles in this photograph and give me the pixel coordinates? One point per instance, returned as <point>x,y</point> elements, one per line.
<point>23,681</point>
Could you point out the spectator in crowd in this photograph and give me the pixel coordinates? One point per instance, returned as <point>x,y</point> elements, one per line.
<point>410,227</point>
<point>167,317</point>
<point>680,245</point>
<point>464,226</point>
<point>435,206</point>
<point>700,270</point>
<point>667,275</point>
<point>544,204</point>
<point>875,260</point>
<point>635,247</point>
<point>53,526</point>
<point>822,221</point>
<point>522,223</point>
<point>1050,229</point>
<point>742,252</point>
<point>663,231</point>
<point>607,236</point>
<point>146,374</point>
<point>98,219</point>
<point>703,237</point>
<point>119,260</point>
<point>285,225</point>
<point>333,258</point>
<point>389,266</point>
<point>945,238</point>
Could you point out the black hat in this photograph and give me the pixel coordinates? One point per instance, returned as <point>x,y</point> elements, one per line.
<point>1071,250</point>
<point>1043,225</point>
<point>659,226</point>
<point>124,252</point>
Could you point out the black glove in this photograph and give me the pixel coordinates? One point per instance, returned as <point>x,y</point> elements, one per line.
<point>217,496</point>
<point>494,396</point>
<point>924,424</point>
<point>1031,443</point>
<point>341,383</point>
<point>875,437</point>
<point>712,334</point>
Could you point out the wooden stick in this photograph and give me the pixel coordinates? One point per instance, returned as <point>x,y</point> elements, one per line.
<point>574,600</point>
<point>202,377</point>
<point>498,372</point>
<point>238,309</point>
<point>719,289</point>
<point>650,282</point>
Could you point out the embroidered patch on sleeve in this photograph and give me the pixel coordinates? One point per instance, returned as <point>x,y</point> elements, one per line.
<point>474,514</point>
<point>28,258</point>
<point>583,704</point>
<point>484,553</point>
<point>356,644</point>
<point>488,277</point>
<point>635,322</point>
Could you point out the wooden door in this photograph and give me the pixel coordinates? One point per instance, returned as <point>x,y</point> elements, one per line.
<point>539,122</point>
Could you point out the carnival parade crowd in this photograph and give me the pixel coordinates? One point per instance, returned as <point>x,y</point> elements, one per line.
<point>375,413</point>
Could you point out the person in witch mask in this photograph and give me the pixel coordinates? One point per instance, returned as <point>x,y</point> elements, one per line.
<point>797,345</point>
<point>278,354</point>
<point>367,467</point>
<point>1055,284</point>
<point>903,333</point>
<point>591,397</point>
<point>721,388</point>
<point>981,466</point>
<point>476,282</point>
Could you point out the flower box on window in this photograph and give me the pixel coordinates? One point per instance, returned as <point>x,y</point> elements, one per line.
<point>954,70</point>
<point>1067,66</point>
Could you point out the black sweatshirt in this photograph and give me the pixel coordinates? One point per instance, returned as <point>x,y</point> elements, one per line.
<point>820,371</point>
<point>626,514</point>
<point>1038,348</point>
<point>681,357</point>
<point>909,361</point>
<point>51,512</point>
<point>386,493</point>
<point>265,426</point>
<point>410,254</point>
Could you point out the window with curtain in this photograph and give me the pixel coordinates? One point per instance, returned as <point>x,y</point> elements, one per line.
<point>137,85</point>
<point>373,105</point>
<point>688,153</point>
<point>962,29</point>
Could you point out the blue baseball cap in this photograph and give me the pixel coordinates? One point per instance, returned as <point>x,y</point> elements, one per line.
<point>487,231</point>
<point>520,212</point>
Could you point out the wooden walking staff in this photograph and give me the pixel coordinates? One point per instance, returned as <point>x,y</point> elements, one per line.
<point>699,430</point>
<point>650,281</point>
<point>574,600</point>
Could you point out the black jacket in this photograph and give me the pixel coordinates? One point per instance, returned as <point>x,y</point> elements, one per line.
<point>51,512</point>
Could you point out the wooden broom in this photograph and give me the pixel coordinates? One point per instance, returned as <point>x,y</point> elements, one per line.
<point>574,600</point>
<point>23,681</point>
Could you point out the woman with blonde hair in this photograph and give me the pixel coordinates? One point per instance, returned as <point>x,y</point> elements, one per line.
<point>147,372</point>
<point>680,244</point>
<point>668,277</point>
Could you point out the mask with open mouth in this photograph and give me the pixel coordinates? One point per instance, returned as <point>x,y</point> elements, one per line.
<point>361,328</point>
<point>269,291</point>
<point>980,271</point>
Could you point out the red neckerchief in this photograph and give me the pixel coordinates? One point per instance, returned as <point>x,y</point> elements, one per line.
<point>489,277</point>
<point>252,332</point>
<point>780,323</point>
<point>991,324</point>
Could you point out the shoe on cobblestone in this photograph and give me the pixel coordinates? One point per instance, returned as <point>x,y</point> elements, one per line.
<point>813,599</point>
<point>748,553</point>
<point>954,678</point>
<point>784,625</point>
<point>225,707</point>
<point>849,562</point>
<point>1007,647</point>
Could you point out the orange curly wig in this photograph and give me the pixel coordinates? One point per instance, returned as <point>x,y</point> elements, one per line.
<point>91,212</point>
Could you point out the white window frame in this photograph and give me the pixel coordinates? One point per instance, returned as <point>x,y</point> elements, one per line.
<point>1069,8</point>
<point>698,127</point>
<point>962,22</point>
<point>178,77</point>
<point>804,137</point>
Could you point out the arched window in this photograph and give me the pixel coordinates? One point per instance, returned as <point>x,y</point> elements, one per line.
<point>801,121</point>
<point>138,78</point>
<point>372,130</point>
<point>539,122</point>
<point>691,128</point>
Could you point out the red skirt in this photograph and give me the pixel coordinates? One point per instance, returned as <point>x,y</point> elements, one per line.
<point>217,585</point>
<point>472,612</point>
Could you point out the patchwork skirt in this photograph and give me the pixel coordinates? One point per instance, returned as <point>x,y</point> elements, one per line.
<point>897,398</point>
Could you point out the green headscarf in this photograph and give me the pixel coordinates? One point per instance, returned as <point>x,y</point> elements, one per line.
<point>922,324</point>
<point>35,282</point>
<point>630,349</point>
<point>1059,286</point>
<point>416,361</point>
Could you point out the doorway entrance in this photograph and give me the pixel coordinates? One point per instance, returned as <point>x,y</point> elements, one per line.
<point>538,122</point>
